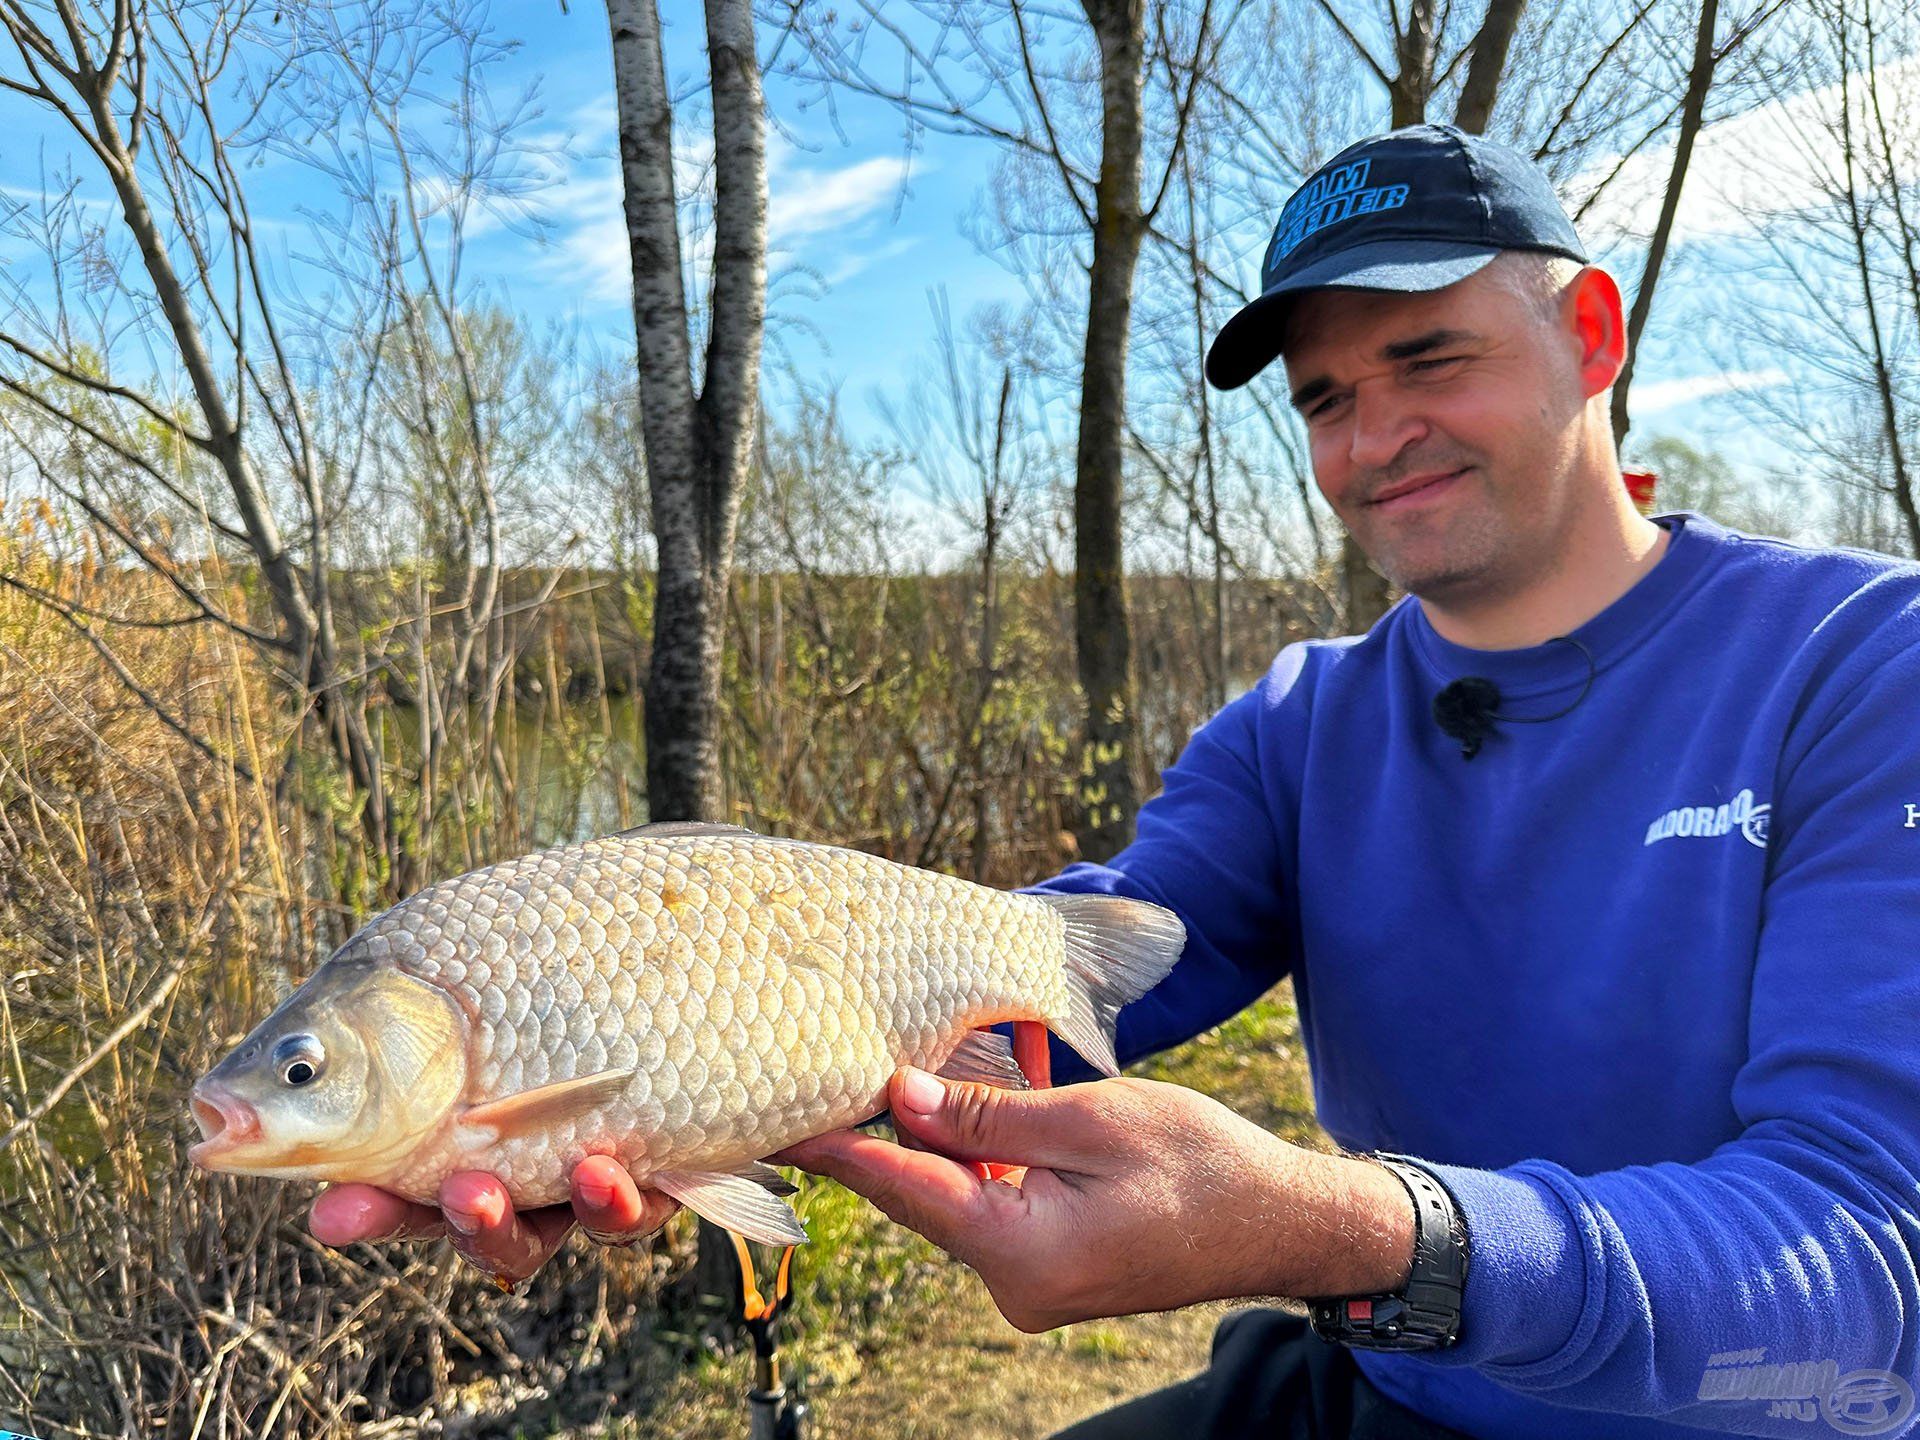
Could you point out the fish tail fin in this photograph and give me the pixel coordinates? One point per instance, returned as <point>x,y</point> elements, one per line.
<point>1117,950</point>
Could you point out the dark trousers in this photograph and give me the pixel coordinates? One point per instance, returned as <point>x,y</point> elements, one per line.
<point>1270,1376</point>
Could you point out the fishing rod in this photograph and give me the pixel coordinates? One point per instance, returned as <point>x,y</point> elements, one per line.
<point>774,1411</point>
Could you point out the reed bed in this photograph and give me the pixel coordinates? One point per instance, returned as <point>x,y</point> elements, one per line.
<point>177,851</point>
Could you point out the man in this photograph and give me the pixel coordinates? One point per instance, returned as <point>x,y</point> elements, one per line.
<point>1613,952</point>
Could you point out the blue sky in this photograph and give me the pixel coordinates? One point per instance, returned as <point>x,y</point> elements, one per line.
<point>862,230</point>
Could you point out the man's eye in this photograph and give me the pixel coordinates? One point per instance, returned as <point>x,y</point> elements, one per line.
<point>1438,362</point>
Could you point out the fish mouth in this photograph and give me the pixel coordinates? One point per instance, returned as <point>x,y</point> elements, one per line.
<point>227,1123</point>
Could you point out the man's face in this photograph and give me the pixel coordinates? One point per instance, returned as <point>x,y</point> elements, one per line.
<point>1443,426</point>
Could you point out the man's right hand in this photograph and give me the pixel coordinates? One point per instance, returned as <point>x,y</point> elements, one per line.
<point>476,1215</point>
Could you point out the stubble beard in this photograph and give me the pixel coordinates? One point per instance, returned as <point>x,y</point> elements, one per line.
<point>1464,555</point>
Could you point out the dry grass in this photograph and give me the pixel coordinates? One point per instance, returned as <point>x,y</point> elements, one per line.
<point>172,858</point>
<point>149,878</point>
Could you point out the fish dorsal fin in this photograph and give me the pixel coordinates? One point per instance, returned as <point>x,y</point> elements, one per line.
<point>740,1203</point>
<point>681,829</point>
<point>985,1056</point>
<point>530,1110</point>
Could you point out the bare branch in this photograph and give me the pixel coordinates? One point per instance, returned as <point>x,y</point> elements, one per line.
<point>55,366</point>
<point>1359,49</point>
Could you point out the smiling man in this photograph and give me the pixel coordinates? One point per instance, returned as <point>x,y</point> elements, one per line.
<point>1607,962</point>
<point>1608,965</point>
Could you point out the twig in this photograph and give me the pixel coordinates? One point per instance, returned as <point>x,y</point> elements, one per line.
<point>100,1052</point>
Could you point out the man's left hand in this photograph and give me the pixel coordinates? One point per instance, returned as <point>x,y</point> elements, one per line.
<point>1136,1196</point>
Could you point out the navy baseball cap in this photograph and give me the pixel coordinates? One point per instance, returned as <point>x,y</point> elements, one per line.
<point>1415,209</point>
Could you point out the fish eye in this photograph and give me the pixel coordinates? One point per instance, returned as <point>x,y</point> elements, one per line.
<point>298,1058</point>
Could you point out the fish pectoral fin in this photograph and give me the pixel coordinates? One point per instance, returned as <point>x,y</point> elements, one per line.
<point>985,1056</point>
<point>733,1202</point>
<point>545,1105</point>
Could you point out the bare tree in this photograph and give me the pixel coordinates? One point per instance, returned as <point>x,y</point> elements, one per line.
<point>699,444</point>
<point>988,447</point>
<point>178,269</point>
<point>1838,283</point>
<point>1693,107</point>
<point>1709,54</point>
<point>1042,91</point>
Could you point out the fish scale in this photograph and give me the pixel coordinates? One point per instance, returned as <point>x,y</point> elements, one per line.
<point>685,999</point>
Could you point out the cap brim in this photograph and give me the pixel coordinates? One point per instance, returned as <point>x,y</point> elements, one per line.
<point>1250,341</point>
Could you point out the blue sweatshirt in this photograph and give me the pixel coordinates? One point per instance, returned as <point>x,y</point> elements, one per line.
<point>1641,983</point>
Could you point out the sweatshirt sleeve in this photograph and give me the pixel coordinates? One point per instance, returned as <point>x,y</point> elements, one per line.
<point>1656,1289</point>
<point>1212,847</point>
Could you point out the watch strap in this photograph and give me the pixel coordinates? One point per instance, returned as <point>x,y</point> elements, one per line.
<point>1424,1314</point>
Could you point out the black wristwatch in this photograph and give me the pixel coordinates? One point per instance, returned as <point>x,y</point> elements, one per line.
<point>1424,1314</point>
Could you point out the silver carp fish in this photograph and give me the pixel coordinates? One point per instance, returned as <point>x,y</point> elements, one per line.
<point>686,998</point>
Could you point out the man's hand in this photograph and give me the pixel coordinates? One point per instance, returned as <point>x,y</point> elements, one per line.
<point>1137,1196</point>
<point>476,1215</point>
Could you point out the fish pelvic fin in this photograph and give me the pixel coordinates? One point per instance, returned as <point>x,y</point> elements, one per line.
<point>1117,950</point>
<point>987,1057</point>
<point>743,1203</point>
<point>528,1110</point>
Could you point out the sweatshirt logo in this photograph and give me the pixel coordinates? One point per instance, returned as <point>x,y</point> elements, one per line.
<point>1696,821</point>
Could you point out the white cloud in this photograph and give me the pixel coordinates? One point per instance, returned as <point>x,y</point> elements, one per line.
<point>1667,394</point>
<point>591,253</point>
<point>1772,160</point>
<point>805,203</point>
<point>856,258</point>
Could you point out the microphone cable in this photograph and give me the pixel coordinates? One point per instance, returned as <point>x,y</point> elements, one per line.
<point>1467,709</point>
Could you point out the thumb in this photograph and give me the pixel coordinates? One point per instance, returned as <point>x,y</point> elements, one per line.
<point>970,1121</point>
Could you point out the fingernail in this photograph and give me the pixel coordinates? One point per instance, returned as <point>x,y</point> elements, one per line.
<point>921,1092</point>
<point>356,1218</point>
<point>595,1193</point>
<point>465,1221</point>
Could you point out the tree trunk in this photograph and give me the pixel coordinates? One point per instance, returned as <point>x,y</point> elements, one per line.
<point>697,449</point>
<point>1413,77</point>
<point>1488,66</point>
<point>1109,795</point>
<point>1692,108</point>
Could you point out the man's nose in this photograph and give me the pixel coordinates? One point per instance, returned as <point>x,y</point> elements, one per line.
<point>1383,426</point>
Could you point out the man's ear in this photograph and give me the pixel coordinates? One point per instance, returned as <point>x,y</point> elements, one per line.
<point>1600,327</point>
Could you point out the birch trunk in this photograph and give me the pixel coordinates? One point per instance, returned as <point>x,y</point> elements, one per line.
<point>697,447</point>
